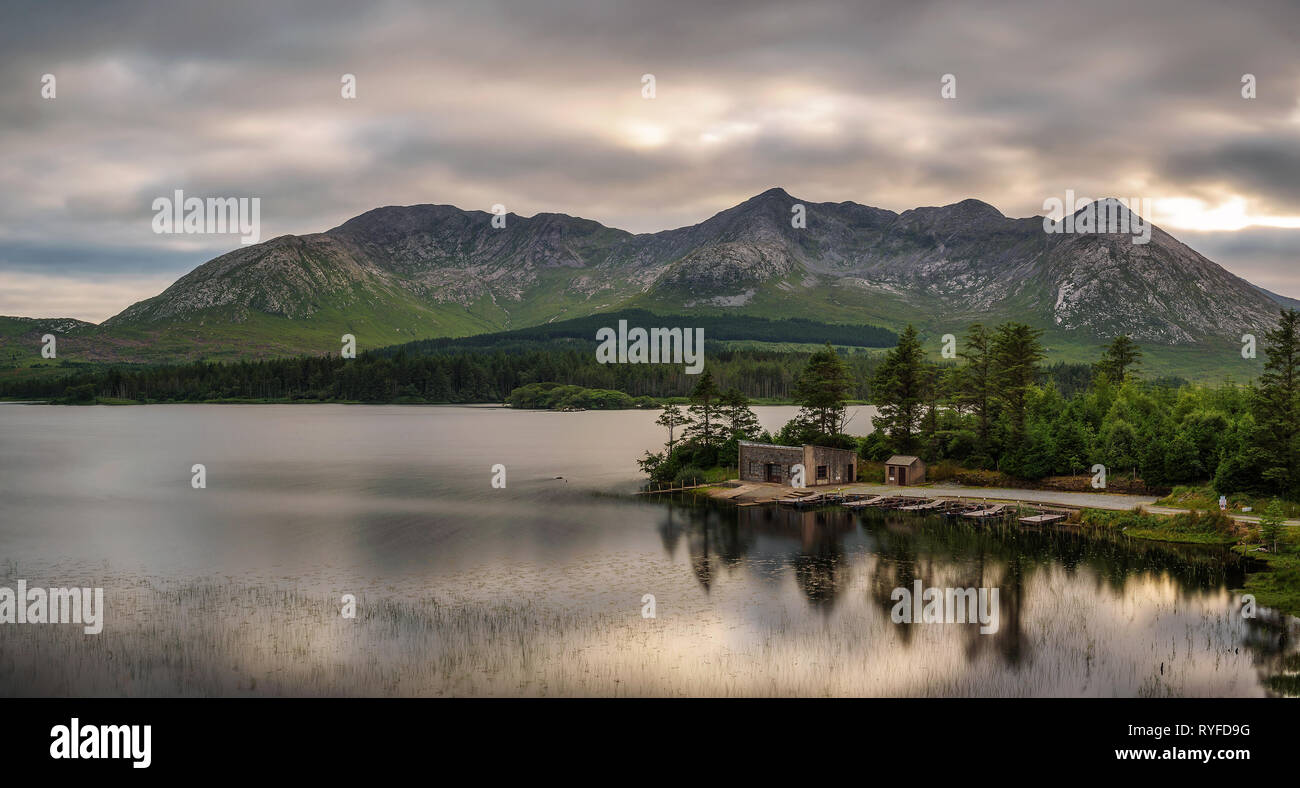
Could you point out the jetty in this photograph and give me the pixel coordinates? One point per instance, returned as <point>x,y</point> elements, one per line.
<point>863,503</point>
<point>988,512</point>
<point>928,506</point>
<point>800,498</point>
<point>1042,519</point>
<point>1031,508</point>
<point>656,488</point>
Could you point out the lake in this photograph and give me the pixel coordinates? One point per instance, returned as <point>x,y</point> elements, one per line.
<point>543,587</point>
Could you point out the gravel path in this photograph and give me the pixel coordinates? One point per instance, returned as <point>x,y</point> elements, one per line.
<point>1114,501</point>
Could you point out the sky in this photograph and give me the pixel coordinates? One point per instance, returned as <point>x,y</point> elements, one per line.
<point>539,105</point>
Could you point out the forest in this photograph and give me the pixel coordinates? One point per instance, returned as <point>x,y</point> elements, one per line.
<point>452,374</point>
<point>446,372</point>
<point>999,409</point>
<point>994,411</point>
<point>716,327</point>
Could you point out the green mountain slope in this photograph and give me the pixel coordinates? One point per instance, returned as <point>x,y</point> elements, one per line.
<point>396,274</point>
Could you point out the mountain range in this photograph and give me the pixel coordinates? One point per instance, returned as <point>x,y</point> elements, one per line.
<point>396,274</point>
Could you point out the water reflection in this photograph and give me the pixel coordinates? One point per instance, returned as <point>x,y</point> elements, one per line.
<point>306,503</point>
<point>824,548</point>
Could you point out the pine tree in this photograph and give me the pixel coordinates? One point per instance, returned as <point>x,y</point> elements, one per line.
<point>742,424</point>
<point>975,387</point>
<point>1277,405</point>
<point>704,426</point>
<point>1117,358</point>
<point>821,390</point>
<point>1016,353</point>
<point>671,418</point>
<point>899,391</point>
<point>1270,523</point>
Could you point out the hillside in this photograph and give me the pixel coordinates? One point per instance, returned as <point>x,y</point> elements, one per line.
<point>397,274</point>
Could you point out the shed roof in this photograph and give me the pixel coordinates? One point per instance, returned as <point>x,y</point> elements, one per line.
<point>901,459</point>
<point>769,445</point>
<point>794,448</point>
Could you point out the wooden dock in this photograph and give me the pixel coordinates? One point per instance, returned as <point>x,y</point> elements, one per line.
<point>800,498</point>
<point>1042,519</point>
<point>988,512</point>
<point>673,488</point>
<point>927,506</point>
<point>864,503</point>
<point>937,503</point>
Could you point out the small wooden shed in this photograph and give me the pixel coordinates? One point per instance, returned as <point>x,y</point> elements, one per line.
<point>904,469</point>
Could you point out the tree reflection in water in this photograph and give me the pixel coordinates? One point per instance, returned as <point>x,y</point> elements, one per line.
<point>822,547</point>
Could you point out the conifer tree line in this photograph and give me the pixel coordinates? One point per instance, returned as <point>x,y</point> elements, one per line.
<point>706,436</point>
<point>467,374</point>
<point>997,410</point>
<point>444,372</point>
<point>1000,409</point>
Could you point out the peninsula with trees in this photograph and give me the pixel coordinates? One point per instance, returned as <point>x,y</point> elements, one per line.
<point>993,418</point>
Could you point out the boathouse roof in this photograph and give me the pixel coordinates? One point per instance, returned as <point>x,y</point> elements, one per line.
<point>795,448</point>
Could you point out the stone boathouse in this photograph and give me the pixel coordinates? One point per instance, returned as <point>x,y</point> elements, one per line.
<point>767,462</point>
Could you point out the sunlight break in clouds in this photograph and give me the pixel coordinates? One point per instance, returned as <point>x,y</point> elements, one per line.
<point>1187,213</point>
<point>89,298</point>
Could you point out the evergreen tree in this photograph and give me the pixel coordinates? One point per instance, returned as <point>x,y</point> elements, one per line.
<point>1118,357</point>
<point>977,383</point>
<point>671,418</point>
<point>1016,353</point>
<point>741,422</point>
<point>900,390</point>
<point>1271,523</point>
<point>1277,405</point>
<point>704,424</point>
<point>821,390</point>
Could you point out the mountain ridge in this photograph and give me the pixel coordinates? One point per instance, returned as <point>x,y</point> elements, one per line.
<point>398,273</point>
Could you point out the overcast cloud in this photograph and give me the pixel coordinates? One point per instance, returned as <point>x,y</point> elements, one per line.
<point>537,105</point>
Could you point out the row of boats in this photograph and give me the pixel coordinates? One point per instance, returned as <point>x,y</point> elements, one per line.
<point>948,507</point>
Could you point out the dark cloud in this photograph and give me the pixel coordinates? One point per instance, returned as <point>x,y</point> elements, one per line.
<point>537,105</point>
<point>1267,167</point>
<point>54,258</point>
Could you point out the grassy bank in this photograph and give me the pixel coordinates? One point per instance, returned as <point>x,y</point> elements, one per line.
<point>1279,586</point>
<point>1204,497</point>
<point>1194,527</point>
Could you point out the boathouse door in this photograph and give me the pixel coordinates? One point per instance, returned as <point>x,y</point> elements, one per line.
<point>902,477</point>
<point>771,473</point>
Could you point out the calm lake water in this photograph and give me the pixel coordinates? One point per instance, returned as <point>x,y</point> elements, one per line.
<point>539,588</point>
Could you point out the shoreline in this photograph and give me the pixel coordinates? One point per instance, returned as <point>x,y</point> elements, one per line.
<point>1277,587</point>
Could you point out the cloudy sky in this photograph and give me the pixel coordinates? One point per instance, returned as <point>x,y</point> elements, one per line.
<point>538,105</point>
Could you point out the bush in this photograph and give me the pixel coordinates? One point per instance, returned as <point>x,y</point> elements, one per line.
<point>874,448</point>
<point>871,472</point>
<point>942,471</point>
<point>1211,522</point>
<point>79,394</point>
<point>1271,525</point>
<point>961,444</point>
<point>553,396</point>
<point>691,474</point>
<point>1240,472</point>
